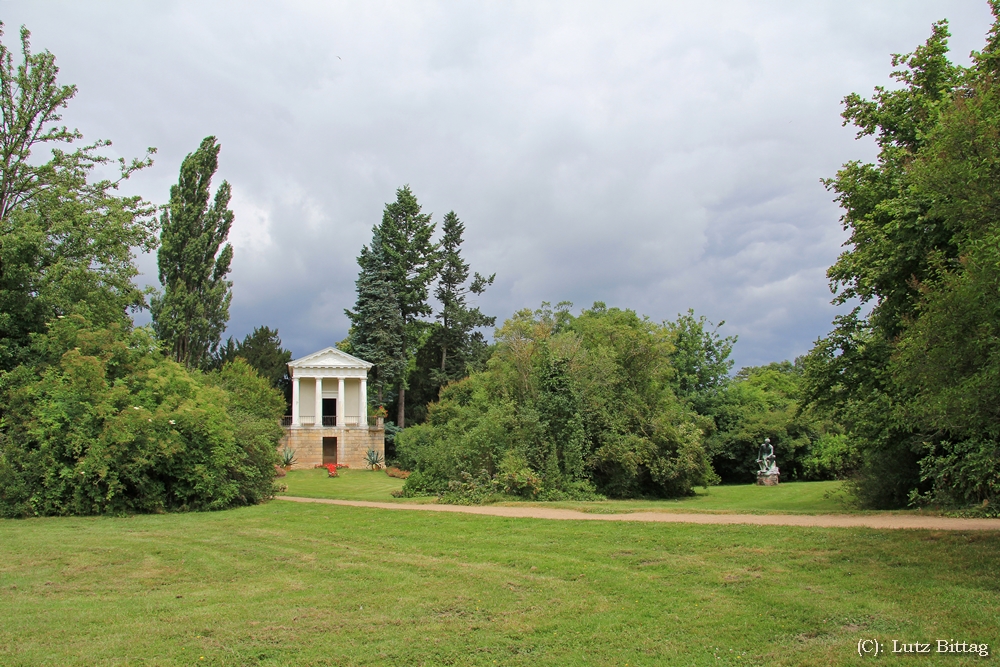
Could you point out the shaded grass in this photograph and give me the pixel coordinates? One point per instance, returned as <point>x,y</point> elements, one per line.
<point>297,584</point>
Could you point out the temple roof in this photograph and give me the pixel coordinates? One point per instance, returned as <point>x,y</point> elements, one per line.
<point>330,357</point>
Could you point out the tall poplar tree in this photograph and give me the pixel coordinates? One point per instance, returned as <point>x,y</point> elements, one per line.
<point>412,264</point>
<point>192,312</point>
<point>376,324</point>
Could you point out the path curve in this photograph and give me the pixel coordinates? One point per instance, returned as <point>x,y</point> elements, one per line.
<point>885,521</point>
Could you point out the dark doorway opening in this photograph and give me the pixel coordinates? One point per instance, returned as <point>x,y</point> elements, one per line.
<point>329,412</point>
<point>329,450</point>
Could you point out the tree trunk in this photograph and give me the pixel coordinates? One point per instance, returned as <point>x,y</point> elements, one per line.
<point>402,407</point>
<point>444,355</point>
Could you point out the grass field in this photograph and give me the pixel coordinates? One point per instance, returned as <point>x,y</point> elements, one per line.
<point>794,497</point>
<point>293,584</point>
<point>348,485</point>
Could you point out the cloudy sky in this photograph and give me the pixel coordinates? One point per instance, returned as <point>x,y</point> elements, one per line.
<point>658,156</point>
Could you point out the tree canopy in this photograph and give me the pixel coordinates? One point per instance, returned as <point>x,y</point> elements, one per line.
<point>93,417</point>
<point>66,241</point>
<point>567,407</point>
<point>376,322</point>
<point>909,377</point>
<point>191,314</point>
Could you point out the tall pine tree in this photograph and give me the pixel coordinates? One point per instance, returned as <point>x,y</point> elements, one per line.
<point>458,321</point>
<point>191,314</point>
<point>412,264</point>
<point>376,323</point>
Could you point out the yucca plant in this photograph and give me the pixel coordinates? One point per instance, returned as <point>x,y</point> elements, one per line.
<point>288,457</point>
<point>373,459</point>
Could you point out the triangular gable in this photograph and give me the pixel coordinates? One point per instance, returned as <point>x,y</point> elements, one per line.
<point>330,357</point>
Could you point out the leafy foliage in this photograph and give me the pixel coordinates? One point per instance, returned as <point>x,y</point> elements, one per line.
<point>765,402</point>
<point>567,407</point>
<point>66,243</point>
<point>191,314</point>
<point>263,351</point>
<point>910,379</point>
<point>700,359</point>
<point>104,424</point>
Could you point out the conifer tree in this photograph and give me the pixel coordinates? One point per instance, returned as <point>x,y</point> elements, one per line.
<point>263,351</point>
<point>457,319</point>
<point>376,323</point>
<point>411,261</point>
<point>191,314</point>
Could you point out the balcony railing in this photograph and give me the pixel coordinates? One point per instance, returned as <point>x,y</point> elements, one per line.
<point>327,421</point>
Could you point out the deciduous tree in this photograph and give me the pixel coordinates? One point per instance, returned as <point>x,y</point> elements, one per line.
<point>191,314</point>
<point>66,242</point>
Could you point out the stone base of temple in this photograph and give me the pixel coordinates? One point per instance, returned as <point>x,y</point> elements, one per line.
<point>313,446</point>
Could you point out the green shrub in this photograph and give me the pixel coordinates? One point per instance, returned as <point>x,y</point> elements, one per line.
<point>831,456</point>
<point>568,408</point>
<point>102,423</point>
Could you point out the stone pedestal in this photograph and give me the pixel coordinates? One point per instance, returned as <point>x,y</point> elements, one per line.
<point>767,479</point>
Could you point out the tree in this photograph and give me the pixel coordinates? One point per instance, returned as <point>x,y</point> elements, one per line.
<point>909,378</point>
<point>700,359</point>
<point>412,263</point>
<point>450,348</point>
<point>263,351</point>
<point>566,405</point>
<point>765,402</point>
<point>66,243</point>
<point>376,323</point>
<point>104,424</point>
<point>947,353</point>
<point>191,314</point>
<point>458,321</point>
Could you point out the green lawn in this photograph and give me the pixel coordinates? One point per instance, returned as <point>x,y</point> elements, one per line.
<point>791,497</point>
<point>348,485</point>
<point>298,584</point>
<point>794,497</point>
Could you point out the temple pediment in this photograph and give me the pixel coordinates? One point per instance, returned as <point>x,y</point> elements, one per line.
<point>330,358</point>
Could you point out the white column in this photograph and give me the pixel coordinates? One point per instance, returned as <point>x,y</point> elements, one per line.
<point>363,401</point>
<point>340,403</point>
<point>319,401</point>
<point>295,401</point>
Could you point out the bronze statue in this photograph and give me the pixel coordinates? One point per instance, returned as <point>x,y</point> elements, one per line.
<point>765,457</point>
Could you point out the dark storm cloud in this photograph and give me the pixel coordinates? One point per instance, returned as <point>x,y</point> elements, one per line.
<point>657,156</point>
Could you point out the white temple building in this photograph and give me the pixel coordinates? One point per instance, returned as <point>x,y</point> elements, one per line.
<point>329,420</point>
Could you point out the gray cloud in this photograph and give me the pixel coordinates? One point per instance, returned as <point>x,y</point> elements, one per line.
<point>657,156</point>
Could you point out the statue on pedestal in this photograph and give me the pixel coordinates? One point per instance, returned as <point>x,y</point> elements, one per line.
<point>767,471</point>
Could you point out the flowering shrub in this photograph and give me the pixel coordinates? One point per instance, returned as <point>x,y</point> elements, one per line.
<point>380,411</point>
<point>332,468</point>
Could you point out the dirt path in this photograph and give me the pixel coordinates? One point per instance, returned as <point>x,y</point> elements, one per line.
<point>887,521</point>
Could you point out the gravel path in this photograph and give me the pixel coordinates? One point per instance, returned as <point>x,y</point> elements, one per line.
<point>886,521</point>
